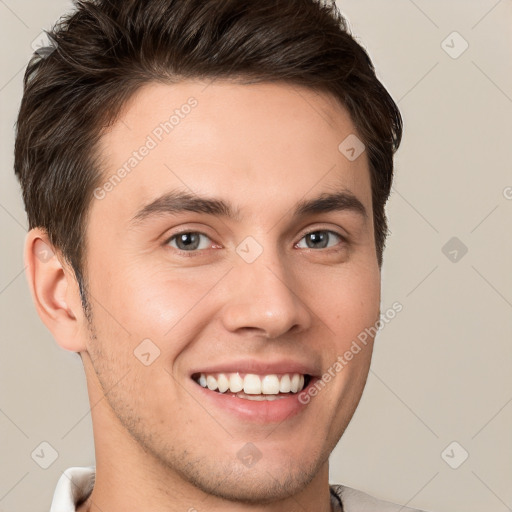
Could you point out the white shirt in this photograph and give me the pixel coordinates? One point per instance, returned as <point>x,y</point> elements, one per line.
<point>76,483</point>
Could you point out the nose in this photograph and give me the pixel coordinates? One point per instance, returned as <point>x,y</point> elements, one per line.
<point>264,297</point>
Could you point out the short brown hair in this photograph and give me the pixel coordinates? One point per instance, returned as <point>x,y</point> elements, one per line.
<point>106,49</point>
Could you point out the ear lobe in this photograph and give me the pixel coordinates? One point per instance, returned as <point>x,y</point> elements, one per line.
<point>54,291</point>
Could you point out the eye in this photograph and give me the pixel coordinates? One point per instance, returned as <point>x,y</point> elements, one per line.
<point>188,241</point>
<point>320,239</point>
<point>193,241</point>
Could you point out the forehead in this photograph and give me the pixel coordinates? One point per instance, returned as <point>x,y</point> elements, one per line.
<point>267,144</point>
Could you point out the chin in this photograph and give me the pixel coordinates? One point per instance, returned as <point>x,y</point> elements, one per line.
<point>257,485</point>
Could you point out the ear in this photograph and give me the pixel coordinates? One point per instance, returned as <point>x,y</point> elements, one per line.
<point>54,291</point>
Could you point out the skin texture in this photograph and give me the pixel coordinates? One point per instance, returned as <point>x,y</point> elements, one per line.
<point>263,148</point>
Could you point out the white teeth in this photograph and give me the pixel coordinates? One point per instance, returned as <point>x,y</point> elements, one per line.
<point>223,383</point>
<point>295,383</point>
<point>252,384</point>
<point>285,384</point>
<point>236,383</point>
<point>270,385</point>
<point>260,398</point>
<point>211,382</point>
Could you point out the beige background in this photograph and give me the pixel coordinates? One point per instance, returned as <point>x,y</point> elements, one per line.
<point>442,368</point>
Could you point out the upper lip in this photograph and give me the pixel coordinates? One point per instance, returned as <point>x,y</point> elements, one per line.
<point>259,367</point>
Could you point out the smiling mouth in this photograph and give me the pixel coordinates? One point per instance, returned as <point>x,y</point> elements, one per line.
<point>252,386</point>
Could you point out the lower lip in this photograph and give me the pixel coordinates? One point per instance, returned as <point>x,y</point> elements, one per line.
<point>264,411</point>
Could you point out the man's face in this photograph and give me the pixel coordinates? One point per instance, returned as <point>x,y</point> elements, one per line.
<point>255,289</point>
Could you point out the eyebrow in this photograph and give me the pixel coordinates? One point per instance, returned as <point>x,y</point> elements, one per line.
<point>176,202</point>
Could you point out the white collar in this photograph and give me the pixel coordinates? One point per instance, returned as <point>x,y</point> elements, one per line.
<point>74,485</point>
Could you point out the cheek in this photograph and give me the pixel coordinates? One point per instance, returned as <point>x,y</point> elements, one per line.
<point>165,305</point>
<point>347,302</point>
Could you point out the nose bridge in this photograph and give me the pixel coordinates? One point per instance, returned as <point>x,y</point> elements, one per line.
<point>263,293</point>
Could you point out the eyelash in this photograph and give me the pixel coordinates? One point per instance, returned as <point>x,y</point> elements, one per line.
<point>197,252</point>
